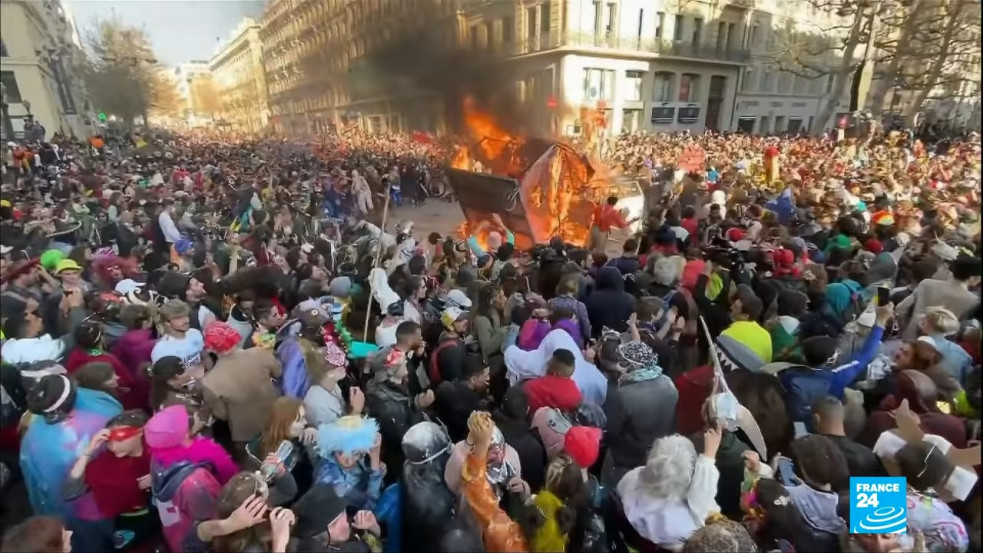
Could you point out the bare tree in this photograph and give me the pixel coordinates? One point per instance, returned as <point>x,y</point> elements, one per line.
<point>121,72</point>
<point>930,48</point>
<point>835,49</point>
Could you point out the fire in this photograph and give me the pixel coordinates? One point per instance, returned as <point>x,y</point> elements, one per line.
<point>559,189</point>
<point>482,126</point>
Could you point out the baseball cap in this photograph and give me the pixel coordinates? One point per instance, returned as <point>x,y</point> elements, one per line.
<point>67,265</point>
<point>457,298</point>
<point>451,315</point>
<point>128,286</point>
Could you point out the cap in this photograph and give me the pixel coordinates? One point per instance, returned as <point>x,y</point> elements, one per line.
<point>583,445</point>
<point>67,265</point>
<point>128,286</point>
<point>928,340</point>
<point>451,315</point>
<point>457,298</point>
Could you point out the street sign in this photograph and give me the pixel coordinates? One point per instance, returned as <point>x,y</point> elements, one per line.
<point>102,115</point>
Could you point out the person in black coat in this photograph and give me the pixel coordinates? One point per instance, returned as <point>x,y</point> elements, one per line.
<point>609,306</point>
<point>513,420</point>
<point>457,399</point>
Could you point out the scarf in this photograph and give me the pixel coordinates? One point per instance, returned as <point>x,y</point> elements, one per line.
<point>113,481</point>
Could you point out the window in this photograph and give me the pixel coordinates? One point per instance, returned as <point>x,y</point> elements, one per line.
<point>697,30</point>
<point>508,27</point>
<point>753,37</point>
<point>745,123</point>
<point>784,82</point>
<point>662,88</point>
<point>794,124</point>
<point>677,31</point>
<point>598,18</point>
<point>531,21</point>
<point>780,124</point>
<point>3,49</point>
<point>474,37</point>
<point>689,115</point>
<point>633,86</point>
<point>689,87</point>
<point>598,84</point>
<point>10,89</point>
<point>544,17</point>
<point>721,35</point>
<point>662,115</point>
<point>748,83</point>
<point>768,82</point>
<point>660,22</point>
<point>610,18</point>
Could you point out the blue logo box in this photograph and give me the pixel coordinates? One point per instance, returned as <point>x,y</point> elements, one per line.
<point>878,505</point>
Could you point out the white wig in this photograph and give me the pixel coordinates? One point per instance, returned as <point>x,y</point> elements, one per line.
<point>665,271</point>
<point>669,468</point>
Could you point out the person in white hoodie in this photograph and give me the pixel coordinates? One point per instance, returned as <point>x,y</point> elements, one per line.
<point>28,343</point>
<point>670,497</point>
<point>363,194</point>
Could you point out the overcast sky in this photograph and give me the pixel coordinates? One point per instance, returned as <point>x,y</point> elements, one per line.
<point>180,30</point>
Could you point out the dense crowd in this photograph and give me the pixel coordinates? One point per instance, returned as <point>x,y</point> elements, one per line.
<point>224,346</point>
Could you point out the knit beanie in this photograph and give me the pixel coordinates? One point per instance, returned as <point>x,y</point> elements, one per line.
<point>167,428</point>
<point>583,445</point>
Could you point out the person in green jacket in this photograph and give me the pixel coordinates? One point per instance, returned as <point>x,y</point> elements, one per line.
<point>792,306</point>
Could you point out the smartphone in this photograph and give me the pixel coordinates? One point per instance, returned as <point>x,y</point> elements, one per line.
<point>883,295</point>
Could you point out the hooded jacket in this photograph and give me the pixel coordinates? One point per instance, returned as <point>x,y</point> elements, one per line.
<point>427,505</point>
<point>609,306</point>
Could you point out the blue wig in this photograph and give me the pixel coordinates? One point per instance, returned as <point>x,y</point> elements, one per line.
<point>348,435</point>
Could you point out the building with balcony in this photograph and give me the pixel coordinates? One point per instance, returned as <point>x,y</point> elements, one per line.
<point>646,66</point>
<point>654,66</point>
<point>238,73</point>
<point>40,69</point>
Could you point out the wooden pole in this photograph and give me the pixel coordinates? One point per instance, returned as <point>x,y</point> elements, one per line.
<point>375,263</point>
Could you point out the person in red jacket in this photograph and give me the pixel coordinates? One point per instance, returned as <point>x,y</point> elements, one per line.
<point>557,389</point>
<point>89,348</point>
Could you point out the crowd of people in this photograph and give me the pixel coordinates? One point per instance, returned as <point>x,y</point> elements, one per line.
<point>219,346</point>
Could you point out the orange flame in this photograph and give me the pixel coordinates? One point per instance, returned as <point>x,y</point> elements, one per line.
<point>562,201</point>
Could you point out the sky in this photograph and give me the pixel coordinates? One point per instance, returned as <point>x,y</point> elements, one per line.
<point>179,30</point>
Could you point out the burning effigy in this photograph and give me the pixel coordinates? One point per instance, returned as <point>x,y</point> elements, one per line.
<point>540,189</point>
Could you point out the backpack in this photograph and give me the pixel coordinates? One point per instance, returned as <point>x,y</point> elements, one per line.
<point>803,388</point>
<point>434,373</point>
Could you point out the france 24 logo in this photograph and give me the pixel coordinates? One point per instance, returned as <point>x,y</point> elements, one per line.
<point>878,505</point>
